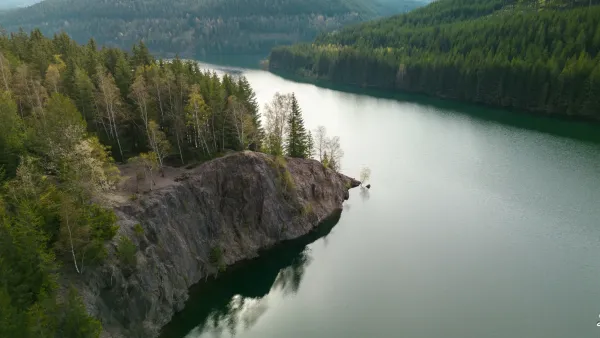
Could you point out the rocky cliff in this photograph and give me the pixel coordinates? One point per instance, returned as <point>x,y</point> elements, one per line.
<point>221,213</point>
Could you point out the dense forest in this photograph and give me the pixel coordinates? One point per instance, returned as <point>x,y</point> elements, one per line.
<point>66,110</point>
<point>539,56</point>
<point>196,28</point>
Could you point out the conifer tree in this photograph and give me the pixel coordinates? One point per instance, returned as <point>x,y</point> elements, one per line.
<point>297,137</point>
<point>246,93</point>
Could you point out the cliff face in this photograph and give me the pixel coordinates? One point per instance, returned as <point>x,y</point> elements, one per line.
<point>223,212</point>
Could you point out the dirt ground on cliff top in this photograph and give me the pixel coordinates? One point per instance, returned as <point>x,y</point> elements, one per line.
<point>128,187</point>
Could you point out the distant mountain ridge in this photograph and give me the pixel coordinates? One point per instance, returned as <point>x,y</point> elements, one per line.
<point>9,4</point>
<point>199,27</point>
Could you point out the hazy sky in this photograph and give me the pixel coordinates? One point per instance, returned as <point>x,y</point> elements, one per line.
<point>17,3</point>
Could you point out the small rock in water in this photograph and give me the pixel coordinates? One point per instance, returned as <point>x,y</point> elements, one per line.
<point>368,186</point>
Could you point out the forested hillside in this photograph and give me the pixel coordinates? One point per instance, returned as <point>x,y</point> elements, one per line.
<point>198,27</point>
<point>529,55</point>
<point>66,110</point>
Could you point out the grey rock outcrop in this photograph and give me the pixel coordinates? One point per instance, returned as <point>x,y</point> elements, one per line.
<point>221,213</point>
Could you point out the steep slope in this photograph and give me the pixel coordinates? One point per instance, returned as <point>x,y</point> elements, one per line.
<point>196,28</point>
<point>221,213</point>
<point>528,55</point>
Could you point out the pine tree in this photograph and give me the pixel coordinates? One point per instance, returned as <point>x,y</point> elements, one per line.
<point>247,95</point>
<point>297,138</point>
<point>141,55</point>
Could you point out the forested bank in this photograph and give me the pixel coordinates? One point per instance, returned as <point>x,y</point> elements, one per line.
<point>203,28</point>
<point>66,110</point>
<point>533,56</point>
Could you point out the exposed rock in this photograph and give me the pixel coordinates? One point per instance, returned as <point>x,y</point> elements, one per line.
<point>222,212</point>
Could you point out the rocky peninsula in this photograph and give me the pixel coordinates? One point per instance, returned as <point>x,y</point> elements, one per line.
<point>221,213</point>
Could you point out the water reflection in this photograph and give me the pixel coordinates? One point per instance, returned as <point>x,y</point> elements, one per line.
<point>365,194</point>
<point>235,301</point>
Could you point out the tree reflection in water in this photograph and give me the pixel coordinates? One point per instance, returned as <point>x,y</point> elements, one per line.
<point>235,301</point>
<point>365,194</point>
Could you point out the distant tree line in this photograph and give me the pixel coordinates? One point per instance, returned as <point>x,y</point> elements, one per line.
<point>195,28</point>
<point>528,55</point>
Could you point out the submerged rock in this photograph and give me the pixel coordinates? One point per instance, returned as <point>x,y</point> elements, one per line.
<point>220,213</point>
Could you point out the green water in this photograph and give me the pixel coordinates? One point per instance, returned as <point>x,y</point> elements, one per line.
<point>480,224</point>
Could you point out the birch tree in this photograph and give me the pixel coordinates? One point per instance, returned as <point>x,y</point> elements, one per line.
<point>157,83</point>
<point>5,72</point>
<point>335,152</point>
<point>140,95</point>
<point>178,125</point>
<point>110,103</point>
<point>146,163</point>
<point>365,175</point>
<point>197,118</point>
<point>52,78</point>
<point>242,122</point>
<point>320,142</point>
<point>276,117</point>
<point>159,144</point>
<point>71,231</point>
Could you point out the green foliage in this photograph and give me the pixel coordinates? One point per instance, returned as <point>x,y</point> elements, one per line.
<point>307,209</point>
<point>297,140</point>
<point>279,162</point>
<point>284,180</point>
<point>216,258</point>
<point>63,108</point>
<point>138,229</point>
<point>75,322</point>
<point>126,251</point>
<point>28,282</point>
<point>11,134</point>
<point>365,175</point>
<point>131,102</point>
<point>326,162</point>
<point>540,57</point>
<point>197,28</point>
<point>287,181</point>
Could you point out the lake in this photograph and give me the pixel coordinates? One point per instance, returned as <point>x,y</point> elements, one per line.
<point>480,223</point>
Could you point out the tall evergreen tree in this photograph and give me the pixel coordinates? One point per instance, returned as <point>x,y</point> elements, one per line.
<point>297,142</point>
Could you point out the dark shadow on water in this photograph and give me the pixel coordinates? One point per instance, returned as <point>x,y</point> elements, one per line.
<point>559,125</point>
<point>236,299</point>
<point>248,61</point>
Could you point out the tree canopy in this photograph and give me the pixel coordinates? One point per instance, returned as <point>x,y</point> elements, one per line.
<point>540,56</point>
<point>65,111</point>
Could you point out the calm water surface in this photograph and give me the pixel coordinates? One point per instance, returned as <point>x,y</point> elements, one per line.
<point>480,224</point>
